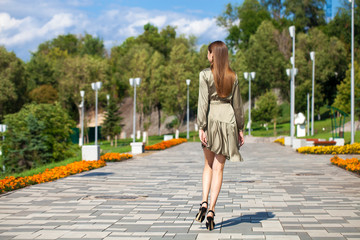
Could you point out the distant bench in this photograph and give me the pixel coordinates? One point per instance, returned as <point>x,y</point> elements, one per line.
<point>318,142</point>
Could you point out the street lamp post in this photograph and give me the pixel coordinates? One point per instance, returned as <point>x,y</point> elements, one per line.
<point>134,82</point>
<point>308,114</point>
<point>312,56</point>
<point>96,87</point>
<point>249,77</point>
<point>292,87</point>
<point>82,94</point>
<point>352,75</point>
<point>290,72</point>
<point>187,109</point>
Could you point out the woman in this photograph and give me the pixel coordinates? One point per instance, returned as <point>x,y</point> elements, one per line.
<point>221,121</point>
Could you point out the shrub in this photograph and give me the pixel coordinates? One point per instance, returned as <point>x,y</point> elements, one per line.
<point>36,135</point>
<point>165,144</point>
<point>115,157</point>
<point>280,140</point>
<point>12,183</point>
<point>352,164</point>
<point>347,149</point>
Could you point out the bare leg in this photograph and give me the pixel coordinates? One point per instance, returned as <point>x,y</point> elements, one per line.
<point>216,182</point>
<point>207,174</point>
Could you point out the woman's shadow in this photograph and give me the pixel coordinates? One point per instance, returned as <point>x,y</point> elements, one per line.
<point>249,218</point>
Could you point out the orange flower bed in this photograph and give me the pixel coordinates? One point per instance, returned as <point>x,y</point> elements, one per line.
<point>11,183</point>
<point>165,144</point>
<point>352,164</point>
<point>115,157</point>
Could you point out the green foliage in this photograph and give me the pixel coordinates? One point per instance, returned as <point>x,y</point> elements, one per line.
<point>44,94</point>
<point>251,14</point>
<point>111,126</point>
<point>342,100</point>
<point>330,56</point>
<point>266,109</point>
<point>264,58</point>
<point>306,14</point>
<point>92,46</point>
<point>36,135</point>
<point>12,83</point>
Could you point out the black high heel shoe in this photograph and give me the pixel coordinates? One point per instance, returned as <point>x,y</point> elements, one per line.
<point>200,216</point>
<point>210,224</point>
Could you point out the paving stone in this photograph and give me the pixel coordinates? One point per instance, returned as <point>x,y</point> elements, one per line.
<point>279,200</point>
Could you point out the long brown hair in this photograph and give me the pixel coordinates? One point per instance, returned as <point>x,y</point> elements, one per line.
<point>224,77</point>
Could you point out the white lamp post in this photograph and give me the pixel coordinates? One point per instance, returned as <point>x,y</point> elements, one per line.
<point>3,129</point>
<point>187,109</point>
<point>290,72</point>
<point>82,105</point>
<point>308,114</point>
<point>292,86</point>
<point>352,74</point>
<point>312,56</point>
<point>134,82</point>
<point>108,99</point>
<point>249,77</point>
<point>96,87</point>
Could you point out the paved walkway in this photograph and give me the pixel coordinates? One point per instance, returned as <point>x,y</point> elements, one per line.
<point>275,194</point>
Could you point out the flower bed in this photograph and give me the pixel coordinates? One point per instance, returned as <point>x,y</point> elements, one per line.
<point>352,164</point>
<point>165,144</point>
<point>280,140</point>
<point>347,149</point>
<point>11,183</point>
<point>115,157</point>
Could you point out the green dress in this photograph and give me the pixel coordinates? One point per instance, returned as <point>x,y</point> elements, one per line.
<point>220,118</point>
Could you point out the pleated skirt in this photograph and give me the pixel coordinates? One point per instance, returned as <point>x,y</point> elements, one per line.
<point>222,131</point>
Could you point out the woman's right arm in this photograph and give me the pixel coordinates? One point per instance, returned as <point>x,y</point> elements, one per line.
<point>203,105</point>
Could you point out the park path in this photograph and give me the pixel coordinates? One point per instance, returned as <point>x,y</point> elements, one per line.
<point>275,194</point>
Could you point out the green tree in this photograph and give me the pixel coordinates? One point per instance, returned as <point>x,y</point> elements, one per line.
<point>342,100</point>
<point>266,109</point>
<point>41,70</point>
<point>37,134</point>
<point>340,26</point>
<point>44,94</point>
<point>330,56</point>
<point>264,58</point>
<point>174,88</point>
<point>69,43</point>
<point>111,126</point>
<point>242,21</point>
<point>157,78</point>
<point>12,83</point>
<point>93,46</point>
<point>76,74</point>
<point>306,14</point>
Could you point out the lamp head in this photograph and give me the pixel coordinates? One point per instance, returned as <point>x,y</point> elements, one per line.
<point>292,31</point>
<point>292,60</point>
<point>253,75</point>
<point>188,82</point>
<point>288,72</point>
<point>246,75</point>
<point>82,93</point>
<point>312,56</point>
<point>98,85</point>
<point>138,81</point>
<point>93,86</point>
<point>296,71</point>
<point>108,97</point>
<point>131,81</point>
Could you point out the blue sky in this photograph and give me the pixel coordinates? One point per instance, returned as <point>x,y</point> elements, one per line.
<point>24,24</point>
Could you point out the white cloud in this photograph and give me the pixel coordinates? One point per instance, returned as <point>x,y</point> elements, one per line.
<point>24,31</point>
